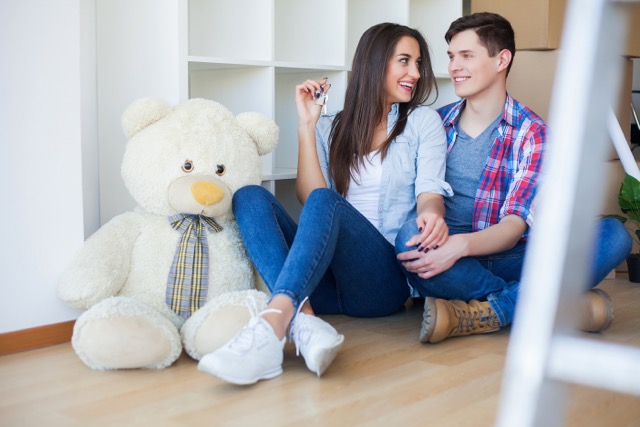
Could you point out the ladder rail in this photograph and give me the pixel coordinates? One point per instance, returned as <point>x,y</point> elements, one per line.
<point>586,78</point>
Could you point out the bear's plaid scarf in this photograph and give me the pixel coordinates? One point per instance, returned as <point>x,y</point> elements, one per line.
<point>188,280</point>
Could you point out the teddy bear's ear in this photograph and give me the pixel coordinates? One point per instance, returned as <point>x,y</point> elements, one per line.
<point>142,113</point>
<point>261,129</point>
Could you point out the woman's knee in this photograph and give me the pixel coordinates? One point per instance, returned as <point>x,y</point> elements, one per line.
<point>249,192</point>
<point>248,195</point>
<point>322,196</point>
<point>408,230</point>
<point>250,201</point>
<point>617,235</point>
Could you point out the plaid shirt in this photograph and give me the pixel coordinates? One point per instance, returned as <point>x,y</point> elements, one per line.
<point>509,182</point>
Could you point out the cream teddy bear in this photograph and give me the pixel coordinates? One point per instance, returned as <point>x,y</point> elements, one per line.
<point>174,272</point>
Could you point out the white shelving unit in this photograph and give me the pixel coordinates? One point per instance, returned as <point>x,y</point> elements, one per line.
<point>248,55</point>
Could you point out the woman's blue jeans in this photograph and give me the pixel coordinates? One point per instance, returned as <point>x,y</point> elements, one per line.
<point>335,256</point>
<point>496,278</point>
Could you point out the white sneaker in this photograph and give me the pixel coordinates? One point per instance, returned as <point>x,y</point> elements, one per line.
<point>254,354</point>
<point>317,340</point>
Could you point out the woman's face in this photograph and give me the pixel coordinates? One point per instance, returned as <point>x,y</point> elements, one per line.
<point>403,71</point>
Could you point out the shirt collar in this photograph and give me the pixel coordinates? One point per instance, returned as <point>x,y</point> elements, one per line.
<point>394,110</point>
<point>508,112</point>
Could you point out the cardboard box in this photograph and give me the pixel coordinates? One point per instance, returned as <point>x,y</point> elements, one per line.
<point>632,47</point>
<point>531,82</point>
<point>538,23</point>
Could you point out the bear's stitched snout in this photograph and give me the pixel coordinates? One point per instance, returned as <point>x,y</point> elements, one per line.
<point>206,193</point>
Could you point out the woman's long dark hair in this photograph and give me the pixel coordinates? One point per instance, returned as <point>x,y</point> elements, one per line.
<point>364,105</point>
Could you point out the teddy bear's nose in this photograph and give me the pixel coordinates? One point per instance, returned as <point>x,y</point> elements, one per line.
<point>206,193</point>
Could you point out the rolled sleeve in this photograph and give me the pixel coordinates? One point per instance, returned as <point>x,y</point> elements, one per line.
<point>432,155</point>
<point>521,197</point>
<point>323,130</point>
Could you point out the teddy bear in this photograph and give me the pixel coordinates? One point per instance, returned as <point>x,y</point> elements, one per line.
<point>173,274</point>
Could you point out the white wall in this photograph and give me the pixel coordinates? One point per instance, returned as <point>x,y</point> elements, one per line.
<point>47,107</point>
<point>89,117</point>
<point>150,67</point>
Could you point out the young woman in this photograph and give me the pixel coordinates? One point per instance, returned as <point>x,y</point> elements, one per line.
<point>362,173</point>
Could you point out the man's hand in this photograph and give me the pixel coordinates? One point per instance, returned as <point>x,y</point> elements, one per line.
<point>432,262</point>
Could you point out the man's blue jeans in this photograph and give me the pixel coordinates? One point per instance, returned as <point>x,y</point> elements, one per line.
<point>496,278</point>
<point>335,255</point>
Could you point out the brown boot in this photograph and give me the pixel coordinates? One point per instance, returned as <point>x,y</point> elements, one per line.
<point>451,318</point>
<point>596,311</point>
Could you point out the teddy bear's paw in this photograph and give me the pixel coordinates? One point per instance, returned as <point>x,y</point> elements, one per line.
<point>122,333</point>
<point>218,321</point>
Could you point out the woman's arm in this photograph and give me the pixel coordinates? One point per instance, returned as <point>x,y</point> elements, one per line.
<point>430,220</point>
<point>430,185</point>
<point>310,175</point>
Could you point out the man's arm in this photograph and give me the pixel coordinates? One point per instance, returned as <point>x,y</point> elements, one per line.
<point>494,239</point>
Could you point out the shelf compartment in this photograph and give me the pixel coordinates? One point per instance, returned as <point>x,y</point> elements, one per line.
<point>233,29</point>
<point>240,89</point>
<point>215,63</point>
<point>286,155</point>
<point>432,18</point>
<point>310,32</point>
<point>362,14</point>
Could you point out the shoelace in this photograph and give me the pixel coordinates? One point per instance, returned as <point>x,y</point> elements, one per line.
<point>467,321</point>
<point>243,341</point>
<point>299,333</point>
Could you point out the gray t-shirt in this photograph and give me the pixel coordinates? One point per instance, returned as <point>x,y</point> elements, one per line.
<point>465,163</point>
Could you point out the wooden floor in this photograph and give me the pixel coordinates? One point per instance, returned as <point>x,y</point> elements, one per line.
<point>382,377</point>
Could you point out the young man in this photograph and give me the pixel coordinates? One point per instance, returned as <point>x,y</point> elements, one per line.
<point>496,146</point>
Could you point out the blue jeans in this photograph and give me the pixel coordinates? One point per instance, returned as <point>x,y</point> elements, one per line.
<point>335,256</point>
<point>496,278</point>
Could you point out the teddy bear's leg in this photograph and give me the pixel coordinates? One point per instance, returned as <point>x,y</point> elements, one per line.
<point>218,321</point>
<point>122,333</point>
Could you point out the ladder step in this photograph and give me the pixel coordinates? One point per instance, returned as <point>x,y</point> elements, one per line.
<point>594,363</point>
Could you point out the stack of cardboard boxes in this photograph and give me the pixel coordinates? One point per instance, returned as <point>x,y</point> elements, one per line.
<point>538,28</point>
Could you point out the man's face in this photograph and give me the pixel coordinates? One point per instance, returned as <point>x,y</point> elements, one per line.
<point>472,70</point>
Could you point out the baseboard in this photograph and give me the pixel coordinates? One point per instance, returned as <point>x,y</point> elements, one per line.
<point>32,338</point>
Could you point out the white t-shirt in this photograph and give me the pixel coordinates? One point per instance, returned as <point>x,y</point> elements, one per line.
<point>364,193</point>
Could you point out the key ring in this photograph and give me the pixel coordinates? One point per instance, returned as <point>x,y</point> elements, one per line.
<point>321,98</point>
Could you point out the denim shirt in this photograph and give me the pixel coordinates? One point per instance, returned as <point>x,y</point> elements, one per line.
<point>415,164</point>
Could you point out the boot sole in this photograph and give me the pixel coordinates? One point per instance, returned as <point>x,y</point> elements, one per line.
<point>610,310</point>
<point>429,316</point>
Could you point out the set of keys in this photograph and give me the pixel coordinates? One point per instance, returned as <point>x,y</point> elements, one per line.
<point>321,98</point>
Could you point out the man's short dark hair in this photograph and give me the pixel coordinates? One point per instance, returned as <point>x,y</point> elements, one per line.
<point>494,32</point>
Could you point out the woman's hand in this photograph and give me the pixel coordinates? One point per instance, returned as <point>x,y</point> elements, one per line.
<point>433,231</point>
<point>308,110</point>
<point>428,264</point>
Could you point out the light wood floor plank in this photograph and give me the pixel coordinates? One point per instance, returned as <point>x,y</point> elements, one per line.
<point>382,377</point>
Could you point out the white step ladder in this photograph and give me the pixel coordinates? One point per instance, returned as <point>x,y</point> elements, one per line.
<point>545,352</point>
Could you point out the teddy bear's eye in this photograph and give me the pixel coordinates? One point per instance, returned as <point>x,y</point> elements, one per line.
<point>187,166</point>
<point>220,170</point>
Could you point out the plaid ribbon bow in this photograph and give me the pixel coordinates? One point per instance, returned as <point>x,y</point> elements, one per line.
<point>188,280</point>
